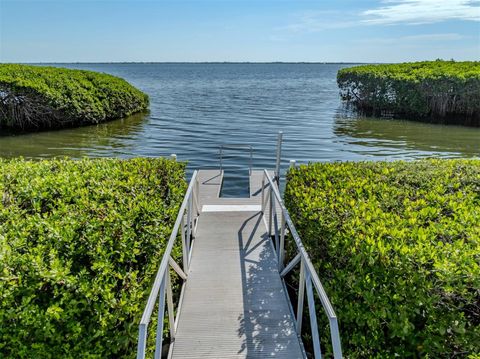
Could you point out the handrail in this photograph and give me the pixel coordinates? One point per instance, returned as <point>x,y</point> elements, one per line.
<point>162,283</point>
<point>308,275</point>
<point>236,146</point>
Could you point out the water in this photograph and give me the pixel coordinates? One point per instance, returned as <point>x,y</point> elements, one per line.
<point>196,107</point>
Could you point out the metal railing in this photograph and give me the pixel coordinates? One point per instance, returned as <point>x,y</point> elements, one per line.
<point>308,276</point>
<point>236,146</point>
<point>186,223</point>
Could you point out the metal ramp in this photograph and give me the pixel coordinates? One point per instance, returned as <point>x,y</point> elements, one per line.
<point>233,301</point>
<point>234,304</point>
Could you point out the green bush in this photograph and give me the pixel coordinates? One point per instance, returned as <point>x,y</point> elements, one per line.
<point>35,97</point>
<point>80,243</point>
<point>397,246</point>
<point>434,91</point>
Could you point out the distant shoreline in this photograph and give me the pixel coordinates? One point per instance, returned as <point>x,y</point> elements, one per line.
<point>200,63</point>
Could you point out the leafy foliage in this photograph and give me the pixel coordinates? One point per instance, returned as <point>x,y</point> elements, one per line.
<point>80,242</point>
<point>436,91</point>
<point>34,97</point>
<point>397,245</point>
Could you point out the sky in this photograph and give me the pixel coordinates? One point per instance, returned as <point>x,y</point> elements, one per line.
<point>239,30</point>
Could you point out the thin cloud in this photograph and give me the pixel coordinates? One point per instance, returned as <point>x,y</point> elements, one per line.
<point>388,13</point>
<point>434,37</point>
<point>422,11</point>
<point>414,39</point>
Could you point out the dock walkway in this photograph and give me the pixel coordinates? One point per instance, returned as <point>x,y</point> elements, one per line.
<point>234,304</point>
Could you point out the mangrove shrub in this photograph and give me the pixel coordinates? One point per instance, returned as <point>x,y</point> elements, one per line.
<point>433,91</point>
<point>397,246</point>
<point>80,243</point>
<point>37,97</point>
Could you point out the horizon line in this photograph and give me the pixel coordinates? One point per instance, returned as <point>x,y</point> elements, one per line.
<point>191,62</point>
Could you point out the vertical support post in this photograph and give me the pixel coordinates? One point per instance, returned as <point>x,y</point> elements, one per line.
<point>221,159</point>
<point>279,157</point>
<point>270,212</point>
<point>189,224</point>
<point>197,208</point>
<point>197,194</point>
<point>313,319</point>
<point>292,163</point>
<point>263,194</point>
<point>301,296</point>
<point>281,252</point>
<point>161,311</point>
<point>142,341</point>
<point>251,161</point>
<point>184,245</point>
<point>170,309</point>
<point>335,335</point>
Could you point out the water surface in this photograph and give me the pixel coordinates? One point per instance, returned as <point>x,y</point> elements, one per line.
<point>196,107</point>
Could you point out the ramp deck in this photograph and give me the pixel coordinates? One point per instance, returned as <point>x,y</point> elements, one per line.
<point>234,305</point>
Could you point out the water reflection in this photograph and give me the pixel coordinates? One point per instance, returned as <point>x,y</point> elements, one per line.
<point>114,138</point>
<point>376,137</point>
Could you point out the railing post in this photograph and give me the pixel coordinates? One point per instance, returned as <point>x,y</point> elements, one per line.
<point>270,212</point>
<point>221,158</point>
<point>184,244</point>
<point>189,222</point>
<point>279,157</point>
<point>313,318</point>
<point>142,341</point>
<point>335,335</point>
<point>263,194</point>
<point>173,156</point>
<point>197,208</point>
<point>197,195</point>
<point>281,252</point>
<point>170,309</point>
<point>251,161</point>
<point>292,163</point>
<point>301,297</point>
<point>161,311</point>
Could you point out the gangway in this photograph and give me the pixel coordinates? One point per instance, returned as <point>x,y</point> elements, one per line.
<point>233,301</point>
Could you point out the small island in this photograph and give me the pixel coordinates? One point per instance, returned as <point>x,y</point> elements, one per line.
<point>445,92</point>
<point>40,97</point>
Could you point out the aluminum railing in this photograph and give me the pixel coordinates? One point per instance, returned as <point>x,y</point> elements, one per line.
<point>308,276</point>
<point>186,223</point>
<point>236,146</point>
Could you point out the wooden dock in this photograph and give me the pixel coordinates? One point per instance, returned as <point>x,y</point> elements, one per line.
<point>234,303</point>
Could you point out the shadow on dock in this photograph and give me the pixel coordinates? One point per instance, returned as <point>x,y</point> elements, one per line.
<point>266,324</point>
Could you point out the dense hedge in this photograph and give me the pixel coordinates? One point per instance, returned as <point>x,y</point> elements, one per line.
<point>34,97</point>
<point>80,242</point>
<point>397,246</point>
<point>434,91</point>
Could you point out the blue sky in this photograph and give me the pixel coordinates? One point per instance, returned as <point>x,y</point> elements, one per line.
<point>234,30</point>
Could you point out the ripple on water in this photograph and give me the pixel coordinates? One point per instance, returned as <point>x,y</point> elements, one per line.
<point>196,107</point>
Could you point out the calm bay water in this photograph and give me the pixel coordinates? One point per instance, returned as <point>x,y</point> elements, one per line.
<point>196,107</point>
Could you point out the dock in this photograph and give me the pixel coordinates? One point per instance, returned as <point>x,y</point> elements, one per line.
<point>233,302</point>
<point>234,305</point>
